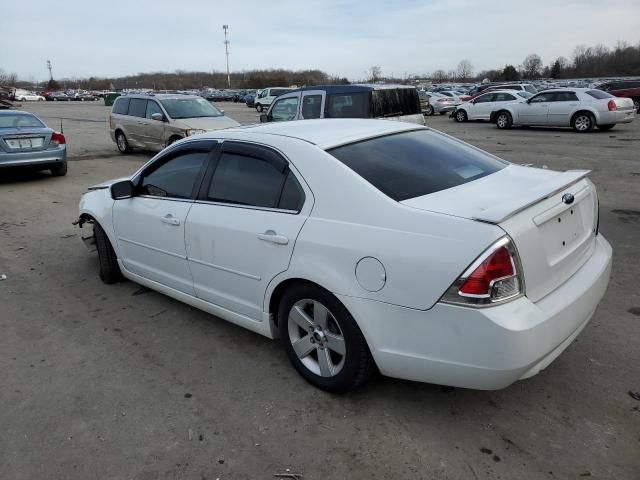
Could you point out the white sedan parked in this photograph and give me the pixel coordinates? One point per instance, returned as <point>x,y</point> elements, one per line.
<point>480,108</point>
<point>29,97</point>
<point>579,108</point>
<point>363,243</point>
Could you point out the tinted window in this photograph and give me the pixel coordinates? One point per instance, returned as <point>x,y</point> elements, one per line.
<point>530,89</point>
<point>152,107</point>
<point>311,106</point>
<point>246,180</point>
<point>19,120</point>
<point>284,109</point>
<point>347,105</point>
<point>565,97</point>
<point>542,97</point>
<point>503,97</point>
<point>279,91</point>
<point>599,94</point>
<point>390,102</point>
<point>121,106</point>
<point>292,196</point>
<point>175,178</point>
<point>417,163</point>
<point>488,97</point>
<point>138,107</point>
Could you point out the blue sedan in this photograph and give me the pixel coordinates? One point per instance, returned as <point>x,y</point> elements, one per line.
<point>25,141</point>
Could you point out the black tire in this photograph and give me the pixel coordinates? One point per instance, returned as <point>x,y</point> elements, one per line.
<point>109,269</point>
<point>259,108</point>
<point>123,143</point>
<point>583,122</point>
<point>443,113</point>
<point>59,170</point>
<point>429,110</point>
<point>504,120</point>
<point>460,116</point>
<point>636,104</point>
<point>605,128</point>
<point>357,364</point>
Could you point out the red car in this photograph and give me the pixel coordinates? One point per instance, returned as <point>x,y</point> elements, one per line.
<point>624,88</point>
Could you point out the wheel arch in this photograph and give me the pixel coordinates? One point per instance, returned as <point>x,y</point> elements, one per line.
<point>592,113</point>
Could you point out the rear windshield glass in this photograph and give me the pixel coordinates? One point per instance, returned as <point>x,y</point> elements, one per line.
<point>530,89</point>
<point>412,164</point>
<point>599,94</point>
<point>189,108</point>
<point>392,102</point>
<point>19,121</point>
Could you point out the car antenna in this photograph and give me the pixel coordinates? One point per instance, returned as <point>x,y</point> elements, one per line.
<point>61,129</point>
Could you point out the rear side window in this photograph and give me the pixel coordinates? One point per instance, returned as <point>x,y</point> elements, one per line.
<point>311,106</point>
<point>121,107</point>
<point>412,164</point>
<point>392,102</point>
<point>599,94</point>
<point>246,180</point>
<point>348,105</point>
<point>565,97</point>
<point>138,107</point>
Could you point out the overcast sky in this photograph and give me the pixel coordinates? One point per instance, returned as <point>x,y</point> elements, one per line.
<point>342,37</point>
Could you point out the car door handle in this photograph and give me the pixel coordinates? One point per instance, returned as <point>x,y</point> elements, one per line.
<point>170,220</point>
<point>273,237</point>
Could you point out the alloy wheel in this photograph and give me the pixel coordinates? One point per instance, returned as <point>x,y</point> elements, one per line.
<point>502,120</point>
<point>582,123</point>
<point>316,338</point>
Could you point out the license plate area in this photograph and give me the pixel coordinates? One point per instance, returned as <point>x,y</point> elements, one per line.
<point>565,230</point>
<point>25,143</point>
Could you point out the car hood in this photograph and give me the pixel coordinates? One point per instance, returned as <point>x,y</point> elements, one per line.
<point>107,183</point>
<point>495,197</point>
<point>207,123</point>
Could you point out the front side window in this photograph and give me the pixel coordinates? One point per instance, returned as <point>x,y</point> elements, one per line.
<point>189,108</point>
<point>412,164</point>
<point>152,107</point>
<point>138,107</point>
<point>311,106</point>
<point>284,109</point>
<point>121,107</point>
<point>542,97</point>
<point>251,181</point>
<point>174,179</point>
<point>348,105</point>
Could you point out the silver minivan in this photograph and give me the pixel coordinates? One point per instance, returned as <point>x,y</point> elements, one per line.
<point>151,122</point>
<point>392,102</point>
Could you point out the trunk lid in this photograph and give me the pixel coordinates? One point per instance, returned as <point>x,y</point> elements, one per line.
<point>14,140</point>
<point>554,237</point>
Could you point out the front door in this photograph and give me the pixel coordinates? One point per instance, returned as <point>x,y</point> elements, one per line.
<point>535,110</point>
<point>242,229</point>
<point>152,131</point>
<point>150,226</point>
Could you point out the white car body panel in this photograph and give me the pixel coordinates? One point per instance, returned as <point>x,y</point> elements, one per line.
<point>424,244</point>
<point>480,110</point>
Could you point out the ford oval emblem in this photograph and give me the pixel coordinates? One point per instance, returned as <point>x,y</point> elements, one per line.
<point>568,198</point>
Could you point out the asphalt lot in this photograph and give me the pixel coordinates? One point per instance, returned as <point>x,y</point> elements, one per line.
<point>117,382</point>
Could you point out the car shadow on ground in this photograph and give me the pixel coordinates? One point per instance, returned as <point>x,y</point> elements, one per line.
<point>23,175</point>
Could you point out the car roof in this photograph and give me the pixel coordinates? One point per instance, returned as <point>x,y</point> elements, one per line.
<point>159,96</point>
<point>326,133</point>
<point>354,88</point>
<point>16,112</point>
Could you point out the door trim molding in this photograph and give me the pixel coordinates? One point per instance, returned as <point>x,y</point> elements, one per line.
<point>225,269</point>
<point>155,249</point>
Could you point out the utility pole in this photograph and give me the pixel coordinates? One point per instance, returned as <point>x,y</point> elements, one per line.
<point>226,49</point>
<point>49,67</point>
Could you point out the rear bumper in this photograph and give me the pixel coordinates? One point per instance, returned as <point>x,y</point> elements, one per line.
<point>618,116</point>
<point>41,158</point>
<point>487,348</point>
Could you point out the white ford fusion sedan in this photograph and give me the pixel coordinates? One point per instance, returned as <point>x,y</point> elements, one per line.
<point>363,244</point>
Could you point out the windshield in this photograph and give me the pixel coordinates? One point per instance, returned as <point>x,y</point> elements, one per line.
<point>189,108</point>
<point>412,164</point>
<point>20,121</point>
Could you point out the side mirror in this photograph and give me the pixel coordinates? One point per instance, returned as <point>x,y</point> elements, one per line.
<point>264,118</point>
<point>122,190</point>
<point>158,117</point>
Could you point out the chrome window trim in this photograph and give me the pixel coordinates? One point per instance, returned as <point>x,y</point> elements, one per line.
<point>250,207</point>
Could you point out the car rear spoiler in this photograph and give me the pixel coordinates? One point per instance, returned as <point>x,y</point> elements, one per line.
<point>499,213</point>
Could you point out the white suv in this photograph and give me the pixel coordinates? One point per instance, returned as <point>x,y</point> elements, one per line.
<point>265,97</point>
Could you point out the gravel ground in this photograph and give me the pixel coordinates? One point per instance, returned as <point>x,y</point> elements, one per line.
<point>117,382</point>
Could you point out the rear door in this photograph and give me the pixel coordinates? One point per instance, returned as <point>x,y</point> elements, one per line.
<point>150,226</point>
<point>242,229</point>
<point>535,110</point>
<point>136,121</point>
<point>561,108</point>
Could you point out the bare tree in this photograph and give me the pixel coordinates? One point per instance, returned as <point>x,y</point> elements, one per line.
<point>465,70</point>
<point>532,66</point>
<point>375,74</point>
<point>439,76</point>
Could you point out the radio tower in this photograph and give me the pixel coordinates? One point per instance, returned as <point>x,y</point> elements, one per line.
<point>49,67</point>
<point>226,49</point>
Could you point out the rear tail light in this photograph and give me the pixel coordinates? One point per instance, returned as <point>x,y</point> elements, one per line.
<point>494,277</point>
<point>58,138</point>
<point>612,106</point>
